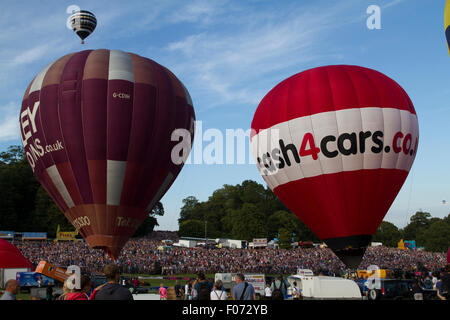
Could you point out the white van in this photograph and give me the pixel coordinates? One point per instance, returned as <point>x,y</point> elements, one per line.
<point>324,288</point>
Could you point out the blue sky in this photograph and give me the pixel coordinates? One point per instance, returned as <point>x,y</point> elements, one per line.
<point>229,54</point>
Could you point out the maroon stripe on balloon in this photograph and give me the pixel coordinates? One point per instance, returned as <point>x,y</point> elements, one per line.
<point>94,112</point>
<point>325,213</point>
<point>120,111</point>
<point>182,121</point>
<point>51,126</point>
<point>94,118</point>
<point>348,87</point>
<point>143,116</point>
<point>155,169</point>
<point>70,118</point>
<point>95,137</point>
<point>69,180</point>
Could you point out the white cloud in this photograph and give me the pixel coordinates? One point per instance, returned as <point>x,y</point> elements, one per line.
<point>9,123</point>
<point>196,11</point>
<point>31,55</point>
<point>233,66</point>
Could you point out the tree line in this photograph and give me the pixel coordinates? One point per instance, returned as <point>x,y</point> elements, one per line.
<point>243,211</point>
<point>26,207</point>
<point>250,210</point>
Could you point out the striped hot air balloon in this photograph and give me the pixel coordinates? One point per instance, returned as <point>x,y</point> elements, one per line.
<point>335,144</point>
<point>83,23</point>
<point>97,130</point>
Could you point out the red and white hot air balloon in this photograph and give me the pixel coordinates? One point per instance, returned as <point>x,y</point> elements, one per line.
<point>335,144</point>
<point>96,128</point>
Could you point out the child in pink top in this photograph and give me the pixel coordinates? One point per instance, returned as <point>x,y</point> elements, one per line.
<point>162,293</point>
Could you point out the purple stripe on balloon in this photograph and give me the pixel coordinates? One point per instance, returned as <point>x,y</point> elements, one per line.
<point>182,121</point>
<point>51,126</point>
<point>50,131</point>
<point>160,130</point>
<point>120,110</point>
<point>143,115</point>
<point>94,115</point>
<point>71,122</point>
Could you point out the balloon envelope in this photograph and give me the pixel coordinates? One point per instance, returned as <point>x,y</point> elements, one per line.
<point>335,144</point>
<point>11,257</point>
<point>96,128</point>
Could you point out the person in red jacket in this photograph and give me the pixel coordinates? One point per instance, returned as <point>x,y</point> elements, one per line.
<point>77,294</point>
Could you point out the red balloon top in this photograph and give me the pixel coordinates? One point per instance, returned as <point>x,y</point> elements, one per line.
<point>329,88</point>
<point>11,257</point>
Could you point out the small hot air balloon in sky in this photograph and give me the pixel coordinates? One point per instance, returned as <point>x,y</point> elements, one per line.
<point>335,144</point>
<point>96,128</point>
<point>444,201</point>
<point>83,23</point>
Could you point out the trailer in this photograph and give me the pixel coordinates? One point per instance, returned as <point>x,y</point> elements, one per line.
<point>229,281</point>
<point>324,288</point>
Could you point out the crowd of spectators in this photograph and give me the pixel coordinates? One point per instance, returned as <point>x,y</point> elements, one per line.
<point>141,256</point>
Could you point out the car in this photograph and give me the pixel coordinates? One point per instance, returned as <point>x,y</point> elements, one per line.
<point>390,289</point>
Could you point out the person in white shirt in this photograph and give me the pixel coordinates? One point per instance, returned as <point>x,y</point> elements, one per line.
<point>296,292</point>
<point>218,293</point>
<point>434,280</point>
<point>187,291</point>
<point>267,292</point>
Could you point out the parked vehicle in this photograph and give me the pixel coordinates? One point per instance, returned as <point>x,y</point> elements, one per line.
<point>324,287</point>
<point>395,289</point>
<point>390,289</point>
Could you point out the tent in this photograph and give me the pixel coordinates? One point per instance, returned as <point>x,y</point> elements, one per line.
<point>11,262</point>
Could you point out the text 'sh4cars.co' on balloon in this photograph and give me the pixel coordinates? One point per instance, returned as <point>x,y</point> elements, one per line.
<point>96,128</point>
<point>335,144</point>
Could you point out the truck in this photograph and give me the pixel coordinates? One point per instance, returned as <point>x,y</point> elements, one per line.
<point>229,281</point>
<point>324,288</point>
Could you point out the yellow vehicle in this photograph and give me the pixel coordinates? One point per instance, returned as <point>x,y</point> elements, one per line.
<point>380,273</point>
<point>165,248</point>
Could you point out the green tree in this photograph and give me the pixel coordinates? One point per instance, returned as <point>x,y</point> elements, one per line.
<point>437,236</point>
<point>147,226</point>
<point>18,188</point>
<point>189,205</point>
<point>192,228</point>
<point>282,219</point>
<point>419,222</point>
<point>248,223</point>
<point>388,234</point>
<point>285,238</point>
<point>47,216</point>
